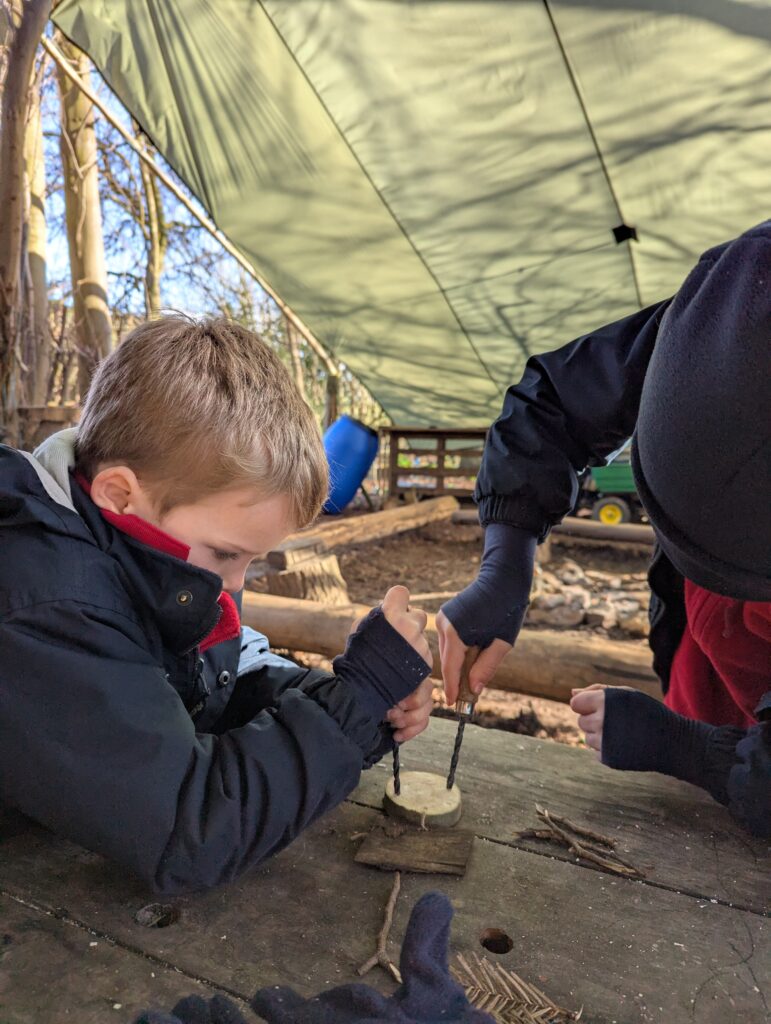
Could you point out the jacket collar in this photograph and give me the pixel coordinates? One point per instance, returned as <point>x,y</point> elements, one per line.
<point>183,600</point>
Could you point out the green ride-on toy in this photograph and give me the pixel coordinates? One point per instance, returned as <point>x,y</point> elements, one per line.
<point>610,493</point>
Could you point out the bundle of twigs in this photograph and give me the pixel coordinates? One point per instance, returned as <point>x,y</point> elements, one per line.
<point>586,844</point>
<point>505,996</point>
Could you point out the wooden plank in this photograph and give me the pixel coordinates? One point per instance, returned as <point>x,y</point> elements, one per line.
<point>434,471</point>
<point>628,952</point>
<point>450,432</point>
<point>54,972</point>
<point>433,851</point>
<point>543,663</point>
<point>676,833</point>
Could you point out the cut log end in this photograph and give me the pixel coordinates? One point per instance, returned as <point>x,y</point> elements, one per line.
<point>424,800</point>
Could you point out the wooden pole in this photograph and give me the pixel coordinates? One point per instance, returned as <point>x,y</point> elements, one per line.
<point>177,192</point>
<point>572,526</point>
<point>543,663</point>
<point>358,529</point>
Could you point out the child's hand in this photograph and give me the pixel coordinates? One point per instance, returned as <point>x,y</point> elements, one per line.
<point>410,717</point>
<point>410,622</point>
<point>589,705</point>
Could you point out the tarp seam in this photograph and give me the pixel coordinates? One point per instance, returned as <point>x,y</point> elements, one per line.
<point>595,142</point>
<point>498,387</point>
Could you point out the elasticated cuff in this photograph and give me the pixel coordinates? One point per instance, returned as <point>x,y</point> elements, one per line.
<point>502,508</point>
<point>382,666</point>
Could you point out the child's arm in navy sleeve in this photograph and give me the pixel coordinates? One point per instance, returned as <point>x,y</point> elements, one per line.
<point>732,764</point>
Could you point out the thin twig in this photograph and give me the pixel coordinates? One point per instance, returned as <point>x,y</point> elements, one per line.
<point>380,956</point>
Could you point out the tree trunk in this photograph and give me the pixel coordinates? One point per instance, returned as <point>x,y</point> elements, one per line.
<point>331,403</point>
<point>38,360</point>
<point>157,234</point>
<point>13,117</point>
<point>294,354</point>
<point>92,323</point>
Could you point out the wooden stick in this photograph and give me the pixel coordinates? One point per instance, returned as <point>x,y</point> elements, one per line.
<point>380,956</point>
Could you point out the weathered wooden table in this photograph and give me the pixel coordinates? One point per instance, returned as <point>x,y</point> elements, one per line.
<point>691,943</point>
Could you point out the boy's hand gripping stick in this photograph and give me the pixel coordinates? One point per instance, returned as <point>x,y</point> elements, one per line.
<point>464,708</point>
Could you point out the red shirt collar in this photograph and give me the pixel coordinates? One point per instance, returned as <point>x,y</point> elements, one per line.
<point>229,623</point>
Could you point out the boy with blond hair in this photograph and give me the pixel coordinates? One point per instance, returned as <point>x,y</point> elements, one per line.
<point>137,717</point>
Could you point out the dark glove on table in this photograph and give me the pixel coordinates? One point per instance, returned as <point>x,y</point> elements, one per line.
<point>640,734</point>
<point>195,1010</point>
<point>427,993</point>
<point>494,605</point>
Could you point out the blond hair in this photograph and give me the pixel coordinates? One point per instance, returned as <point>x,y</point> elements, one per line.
<point>195,407</point>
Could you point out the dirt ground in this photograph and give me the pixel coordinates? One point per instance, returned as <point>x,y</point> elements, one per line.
<point>438,560</point>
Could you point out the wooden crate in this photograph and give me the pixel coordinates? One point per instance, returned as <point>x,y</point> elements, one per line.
<point>431,461</point>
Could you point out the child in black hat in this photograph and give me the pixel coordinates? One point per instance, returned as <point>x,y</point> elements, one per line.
<point>690,379</point>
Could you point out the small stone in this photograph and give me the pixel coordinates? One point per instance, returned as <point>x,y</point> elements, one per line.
<point>572,573</point>
<point>637,625</point>
<point>601,613</point>
<point>625,606</point>
<point>550,582</point>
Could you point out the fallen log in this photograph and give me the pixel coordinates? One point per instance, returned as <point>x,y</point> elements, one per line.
<point>591,529</point>
<point>543,663</point>
<point>337,532</point>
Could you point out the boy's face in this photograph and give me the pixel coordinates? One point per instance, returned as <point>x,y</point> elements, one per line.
<point>228,530</point>
<point>225,531</point>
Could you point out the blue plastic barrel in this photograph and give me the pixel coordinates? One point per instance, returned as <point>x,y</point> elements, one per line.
<point>351,447</point>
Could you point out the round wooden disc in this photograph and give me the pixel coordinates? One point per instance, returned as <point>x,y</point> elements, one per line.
<point>424,799</point>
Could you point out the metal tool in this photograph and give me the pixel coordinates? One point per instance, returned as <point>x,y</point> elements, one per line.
<point>397,770</point>
<point>464,709</point>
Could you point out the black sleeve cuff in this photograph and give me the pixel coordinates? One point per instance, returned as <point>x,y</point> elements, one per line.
<point>640,734</point>
<point>382,666</point>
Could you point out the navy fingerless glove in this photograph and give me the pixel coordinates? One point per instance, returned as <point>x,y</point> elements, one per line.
<point>494,605</point>
<point>382,666</point>
<point>640,734</point>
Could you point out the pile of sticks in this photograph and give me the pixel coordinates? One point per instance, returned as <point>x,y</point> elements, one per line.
<point>586,844</point>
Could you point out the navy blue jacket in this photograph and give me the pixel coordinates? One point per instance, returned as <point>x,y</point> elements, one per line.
<point>99,677</point>
<point>573,408</point>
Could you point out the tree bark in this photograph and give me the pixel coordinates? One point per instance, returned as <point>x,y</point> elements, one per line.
<point>13,117</point>
<point>38,360</point>
<point>331,403</point>
<point>157,234</point>
<point>92,323</point>
<point>294,355</point>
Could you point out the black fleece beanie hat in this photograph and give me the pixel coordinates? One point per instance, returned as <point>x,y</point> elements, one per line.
<point>702,447</point>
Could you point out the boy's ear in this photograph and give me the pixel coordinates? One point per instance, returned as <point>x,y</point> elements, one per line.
<point>117,489</point>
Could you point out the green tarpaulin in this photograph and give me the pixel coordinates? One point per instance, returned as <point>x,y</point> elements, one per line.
<point>433,186</point>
